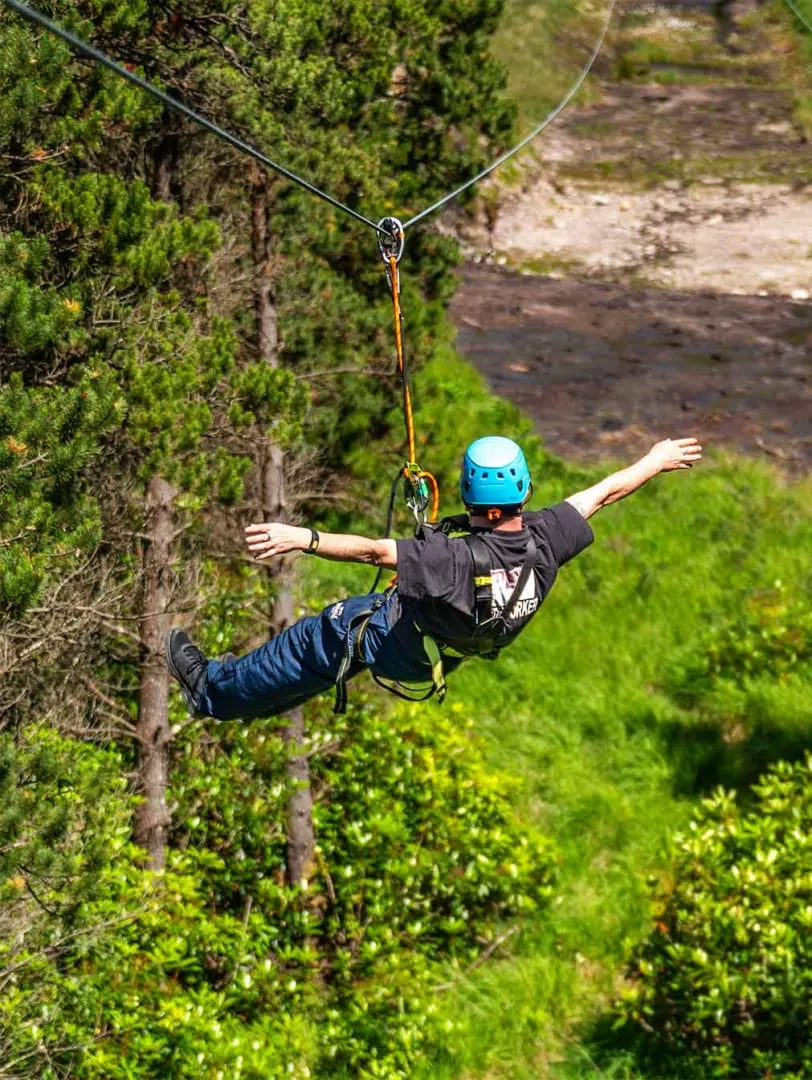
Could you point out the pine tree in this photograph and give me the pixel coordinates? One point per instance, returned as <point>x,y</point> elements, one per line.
<point>47,439</point>
<point>134,315</point>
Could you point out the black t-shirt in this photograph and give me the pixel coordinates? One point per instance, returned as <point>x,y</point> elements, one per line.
<point>435,580</point>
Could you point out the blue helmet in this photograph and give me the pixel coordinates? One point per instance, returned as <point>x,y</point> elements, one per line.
<point>494,475</point>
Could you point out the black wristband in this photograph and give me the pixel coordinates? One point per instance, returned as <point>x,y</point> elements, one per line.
<point>314,543</point>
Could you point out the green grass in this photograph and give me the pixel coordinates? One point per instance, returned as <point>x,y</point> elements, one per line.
<point>578,713</point>
<point>608,764</point>
<point>542,45</point>
<point>548,262</point>
<point>691,49</point>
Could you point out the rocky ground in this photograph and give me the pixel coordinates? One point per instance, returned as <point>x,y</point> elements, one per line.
<point>652,275</point>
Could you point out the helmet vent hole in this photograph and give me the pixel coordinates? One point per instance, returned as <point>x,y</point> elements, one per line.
<point>520,485</point>
<point>501,475</point>
<point>512,472</point>
<point>484,476</point>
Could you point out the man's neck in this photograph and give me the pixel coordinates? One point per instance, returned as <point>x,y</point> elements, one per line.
<point>506,524</point>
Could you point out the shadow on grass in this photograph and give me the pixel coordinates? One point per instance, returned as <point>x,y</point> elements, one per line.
<point>626,1054</point>
<point>705,754</point>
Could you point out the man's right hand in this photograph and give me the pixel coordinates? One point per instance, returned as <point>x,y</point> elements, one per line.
<point>673,454</point>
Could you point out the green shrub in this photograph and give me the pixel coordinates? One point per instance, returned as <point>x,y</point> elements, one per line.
<point>420,862</point>
<point>216,967</point>
<point>67,888</point>
<point>636,62</point>
<point>772,637</point>
<point>722,985</point>
<point>427,862</point>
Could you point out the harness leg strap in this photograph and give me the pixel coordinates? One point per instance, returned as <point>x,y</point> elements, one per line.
<point>345,668</point>
<point>352,648</point>
<point>436,661</point>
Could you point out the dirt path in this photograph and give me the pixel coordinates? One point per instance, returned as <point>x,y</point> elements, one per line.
<point>662,255</point>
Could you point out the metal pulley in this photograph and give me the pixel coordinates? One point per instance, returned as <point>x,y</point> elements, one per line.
<point>391,241</point>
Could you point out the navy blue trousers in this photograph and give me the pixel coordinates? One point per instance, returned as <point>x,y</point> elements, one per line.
<point>303,660</point>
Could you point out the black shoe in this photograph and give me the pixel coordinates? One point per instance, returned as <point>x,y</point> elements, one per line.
<point>188,664</point>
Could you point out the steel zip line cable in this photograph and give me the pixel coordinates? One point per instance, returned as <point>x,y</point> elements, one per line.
<point>573,90</point>
<point>82,47</point>
<point>799,16</point>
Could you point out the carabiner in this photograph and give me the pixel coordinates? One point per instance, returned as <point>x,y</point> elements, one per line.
<point>416,491</point>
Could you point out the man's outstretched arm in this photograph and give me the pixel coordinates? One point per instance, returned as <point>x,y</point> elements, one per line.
<point>274,538</point>
<point>665,456</point>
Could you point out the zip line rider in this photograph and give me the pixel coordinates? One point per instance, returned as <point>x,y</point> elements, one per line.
<point>455,595</point>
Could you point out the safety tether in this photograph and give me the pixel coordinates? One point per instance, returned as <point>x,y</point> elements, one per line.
<point>421,488</point>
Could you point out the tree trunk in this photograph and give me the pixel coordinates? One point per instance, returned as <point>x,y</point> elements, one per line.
<point>301,840</point>
<point>154,734</point>
<point>165,158</point>
<point>264,300</point>
<point>301,844</point>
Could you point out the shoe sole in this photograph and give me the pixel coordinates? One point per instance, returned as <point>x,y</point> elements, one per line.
<point>170,663</point>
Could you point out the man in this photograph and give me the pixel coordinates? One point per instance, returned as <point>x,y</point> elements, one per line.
<point>454,597</point>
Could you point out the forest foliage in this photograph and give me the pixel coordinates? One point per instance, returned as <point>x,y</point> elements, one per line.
<point>220,965</point>
<point>138,408</point>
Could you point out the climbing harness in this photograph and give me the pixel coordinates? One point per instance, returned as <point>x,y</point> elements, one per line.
<point>351,662</point>
<point>490,635</point>
<point>492,632</point>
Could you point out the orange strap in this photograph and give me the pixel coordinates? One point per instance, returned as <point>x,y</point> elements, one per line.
<point>411,470</point>
<point>394,279</point>
<point>435,495</point>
